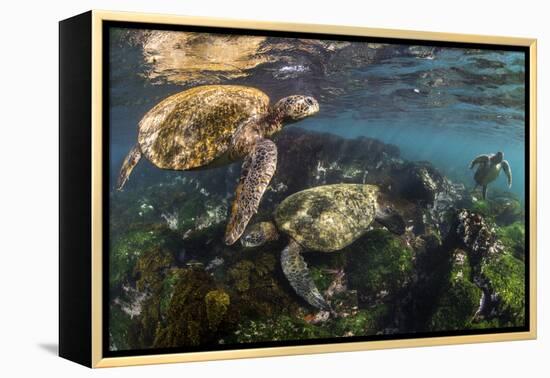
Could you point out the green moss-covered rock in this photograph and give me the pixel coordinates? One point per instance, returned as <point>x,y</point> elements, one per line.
<point>507,210</point>
<point>240,275</point>
<point>324,266</point>
<point>485,324</point>
<point>502,209</point>
<point>259,288</point>
<point>166,290</point>
<point>513,238</point>
<point>504,276</point>
<point>150,267</point>
<point>186,321</point>
<point>154,276</point>
<point>482,207</point>
<point>282,328</point>
<point>188,210</point>
<point>460,298</point>
<point>379,266</point>
<point>322,277</point>
<point>120,328</point>
<point>126,249</point>
<point>217,303</point>
<point>362,323</point>
<point>457,307</point>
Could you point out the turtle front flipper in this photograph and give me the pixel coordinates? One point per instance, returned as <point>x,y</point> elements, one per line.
<point>507,171</point>
<point>481,159</point>
<point>297,273</point>
<point>128,165</point>
<point>257,170</point>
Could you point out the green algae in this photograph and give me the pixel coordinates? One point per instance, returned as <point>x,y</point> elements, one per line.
<point>503,209</point>
<point>505,277</point>
<point>459,298</point>
<point>513,238</point>
<point>364,322</point>
<point>217,303</point>
<point>260,288</point>
<point>322,277</point>
<point>120,328</point>
<point>456,307</point>
<point>186,320</point>
<point>282,328</point>
<point>241,273</point>
<point>127,248</point>
<point>380,265</point>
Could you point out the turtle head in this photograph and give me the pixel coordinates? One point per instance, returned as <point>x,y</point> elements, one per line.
<point>294,108</point>
<point>259,234</point>
<point>388,216</point>
<point>499,156</point>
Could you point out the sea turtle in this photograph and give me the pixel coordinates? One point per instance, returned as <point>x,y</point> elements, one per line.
<point>324,219</point>
<point>212,125</point>
<point>489,167</point>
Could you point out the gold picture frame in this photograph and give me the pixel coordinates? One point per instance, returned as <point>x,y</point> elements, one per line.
<point>89,330</point>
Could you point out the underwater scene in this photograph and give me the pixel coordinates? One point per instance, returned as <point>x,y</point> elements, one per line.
<point>270,189</point>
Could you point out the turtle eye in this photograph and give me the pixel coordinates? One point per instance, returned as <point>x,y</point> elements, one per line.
<point>309,102</point>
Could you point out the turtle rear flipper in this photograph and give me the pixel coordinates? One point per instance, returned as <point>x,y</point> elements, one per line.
<point>257,170</point>
<point>128,165</point>
<point>297,273</point>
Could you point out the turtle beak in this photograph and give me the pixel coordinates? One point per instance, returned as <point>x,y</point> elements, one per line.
<point>313,105</point>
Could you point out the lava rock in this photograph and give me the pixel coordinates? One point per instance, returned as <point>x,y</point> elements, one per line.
<point>460,298</point>
<point>476,235</point>
<point>503,280</point>
<point>419,181</point>
<point>379,266</point>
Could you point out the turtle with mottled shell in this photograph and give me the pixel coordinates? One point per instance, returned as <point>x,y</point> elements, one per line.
<point>213,125</point>
<point>323,219</point>
<point>489,167</point>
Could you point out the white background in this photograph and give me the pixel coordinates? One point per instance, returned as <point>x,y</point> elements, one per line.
<point>28,186</point>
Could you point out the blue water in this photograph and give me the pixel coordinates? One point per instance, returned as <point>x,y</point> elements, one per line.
<point>446,106</point>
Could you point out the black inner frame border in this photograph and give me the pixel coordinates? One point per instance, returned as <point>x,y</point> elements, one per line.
<point>107,185</point>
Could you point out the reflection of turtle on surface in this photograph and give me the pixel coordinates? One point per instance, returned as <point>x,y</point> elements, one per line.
<point>489,167</point>
<point>324,219</point>
<point>213,125</point>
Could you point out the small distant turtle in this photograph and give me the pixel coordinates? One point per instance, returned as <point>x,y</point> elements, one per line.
<point>214,125</point>
<point>489,167</point>
<point>324,219</point>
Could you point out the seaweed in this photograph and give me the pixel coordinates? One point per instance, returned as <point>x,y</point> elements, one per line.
<point>460,298</point>
<point>127,248</point>
<point>260,288</point>
<point>186,321</point>
<point>513,239</point>
<point>504,276</point>
<point>380,266</point>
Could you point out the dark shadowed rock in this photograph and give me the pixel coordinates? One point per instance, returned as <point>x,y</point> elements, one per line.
<point>309,159</point>
<point>419,181</point>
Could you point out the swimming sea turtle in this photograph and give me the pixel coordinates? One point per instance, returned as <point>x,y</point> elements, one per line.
<point>212,125</point>
<point>488,169</point>
<point>324,219</point>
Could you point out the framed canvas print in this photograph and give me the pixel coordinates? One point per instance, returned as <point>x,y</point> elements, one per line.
<point>235,189</point>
